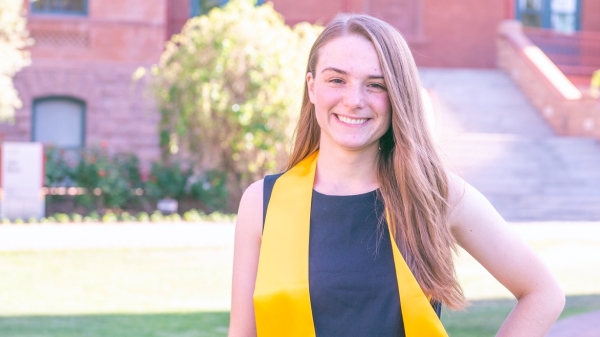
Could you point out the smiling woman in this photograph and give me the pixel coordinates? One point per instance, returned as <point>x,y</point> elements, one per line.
<point>356,237</point>
<point>348,91</point>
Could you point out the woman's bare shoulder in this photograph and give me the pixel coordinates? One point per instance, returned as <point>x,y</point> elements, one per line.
<point>250,212</point>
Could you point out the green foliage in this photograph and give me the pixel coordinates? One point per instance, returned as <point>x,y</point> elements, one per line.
<point>157,216</point>
<point>110,217</point>
<point>111,178</point>
<point>59,172</point>
<point>77,218</point>
<point>14,39</point>
<point>193,216</point>
<point>167,181</point>
<point>210,188</point>
<point>62,218</point>
<point>228,88</point>
<point>143,217</point>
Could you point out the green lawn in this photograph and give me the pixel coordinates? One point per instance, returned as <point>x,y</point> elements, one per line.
<point>160,292</point>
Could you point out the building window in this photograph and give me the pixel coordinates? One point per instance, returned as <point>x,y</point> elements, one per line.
<point>560,15</point>
<point>59,121</point>
<point>77,7</point>
<point>201,7</point>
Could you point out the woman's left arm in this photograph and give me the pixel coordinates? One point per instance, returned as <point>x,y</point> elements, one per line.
<point>483,233</point>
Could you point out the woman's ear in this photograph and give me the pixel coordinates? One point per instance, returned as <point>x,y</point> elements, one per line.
<point>310,84</point>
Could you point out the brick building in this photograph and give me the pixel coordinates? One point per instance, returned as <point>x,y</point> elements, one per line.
<point>78,91</point>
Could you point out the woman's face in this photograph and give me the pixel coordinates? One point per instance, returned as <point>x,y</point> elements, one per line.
<point>349,94</point>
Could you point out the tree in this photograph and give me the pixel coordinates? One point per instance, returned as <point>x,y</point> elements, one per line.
<point>14,38</point>
<point>229,87</point>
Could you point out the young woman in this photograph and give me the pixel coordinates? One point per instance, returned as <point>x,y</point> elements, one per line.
<point>356,237</point>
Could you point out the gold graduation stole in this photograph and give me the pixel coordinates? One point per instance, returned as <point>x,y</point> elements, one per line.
<point>281,296</point>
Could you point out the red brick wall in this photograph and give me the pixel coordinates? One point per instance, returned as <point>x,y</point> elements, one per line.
<point>131,31</point>
<point>92,58</point>
<point>442,33</point>
<point>178,12</point>
<point>315,11</point>
<point>590,15</point>
<point>459,33</point>
<point>116,110</point>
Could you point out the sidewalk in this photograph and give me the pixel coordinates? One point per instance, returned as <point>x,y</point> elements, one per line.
<point>118,235</point>
<point>584,325</point>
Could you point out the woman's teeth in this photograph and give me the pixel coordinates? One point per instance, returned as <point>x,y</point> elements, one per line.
<point>349,120</point>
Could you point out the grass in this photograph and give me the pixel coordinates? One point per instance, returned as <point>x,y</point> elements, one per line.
<point>484,317</point>
<point>185,292</point>
<point>198,324</point>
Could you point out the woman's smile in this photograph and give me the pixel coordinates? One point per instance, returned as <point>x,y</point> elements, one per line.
<point>351,121</point>
<point>348,91</point>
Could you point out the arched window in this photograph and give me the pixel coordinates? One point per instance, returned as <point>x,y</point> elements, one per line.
<point>200,7</point>
<point>77,7</point>
<point>59,121</point>
<point>560,15</point>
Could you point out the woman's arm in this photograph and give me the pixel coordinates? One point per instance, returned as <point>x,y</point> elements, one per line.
<point>248,233</point>
<point>481,231</point>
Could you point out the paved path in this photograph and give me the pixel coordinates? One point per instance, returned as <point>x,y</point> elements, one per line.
<point>493,137</point>
<point>119,236</point>
<point>584,325</point>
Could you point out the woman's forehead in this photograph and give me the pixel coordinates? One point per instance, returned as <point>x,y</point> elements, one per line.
<point>349,53</point>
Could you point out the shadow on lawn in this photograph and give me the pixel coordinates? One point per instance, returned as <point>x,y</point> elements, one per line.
<point>483,318</point>
<point>201,324</point>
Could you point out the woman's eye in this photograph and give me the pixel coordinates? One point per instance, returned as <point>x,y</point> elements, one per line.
<point>377,86</point>
<point>336,80</point>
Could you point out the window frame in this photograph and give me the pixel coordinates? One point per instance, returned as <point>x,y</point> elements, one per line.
<point>546,14</point>
<point>82,105</point>
<point>35,11</point>
<point>195,9</point>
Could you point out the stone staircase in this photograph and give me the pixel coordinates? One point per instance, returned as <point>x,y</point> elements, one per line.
<point>492,136</point>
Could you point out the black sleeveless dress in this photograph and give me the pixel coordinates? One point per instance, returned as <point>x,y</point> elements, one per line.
<point>352,276</point>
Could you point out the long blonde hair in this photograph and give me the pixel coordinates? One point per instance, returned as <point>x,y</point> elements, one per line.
<point>414,183</point>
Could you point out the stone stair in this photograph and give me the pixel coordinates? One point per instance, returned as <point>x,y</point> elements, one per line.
<point>492,136</point>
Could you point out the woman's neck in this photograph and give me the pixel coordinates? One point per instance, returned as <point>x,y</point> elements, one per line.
<point>342,172</point>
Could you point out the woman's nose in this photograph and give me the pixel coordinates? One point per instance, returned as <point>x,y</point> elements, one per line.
<point>354,96</point>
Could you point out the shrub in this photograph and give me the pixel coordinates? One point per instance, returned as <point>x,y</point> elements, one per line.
<point>58,171</point>
<point>209,188</point>
<point>143,217</point>
<point>167,181</point>
<point>228,88</point>
<point>76,217</point>
<point>108,179</point>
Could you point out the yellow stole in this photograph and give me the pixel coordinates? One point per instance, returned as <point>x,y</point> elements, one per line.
<point>281,296</point>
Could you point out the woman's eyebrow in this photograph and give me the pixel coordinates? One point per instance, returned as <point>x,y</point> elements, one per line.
<point>343,72</point>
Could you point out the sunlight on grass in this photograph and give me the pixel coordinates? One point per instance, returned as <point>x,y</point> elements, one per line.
<point>184,292</point>
<point>109,281</point>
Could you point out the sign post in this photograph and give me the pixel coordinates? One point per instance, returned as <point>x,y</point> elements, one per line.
<point>21,180</point>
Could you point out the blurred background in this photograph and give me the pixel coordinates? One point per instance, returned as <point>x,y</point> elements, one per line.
<point>155,115</point>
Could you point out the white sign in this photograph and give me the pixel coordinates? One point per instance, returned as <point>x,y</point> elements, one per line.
<point>21,180</point>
